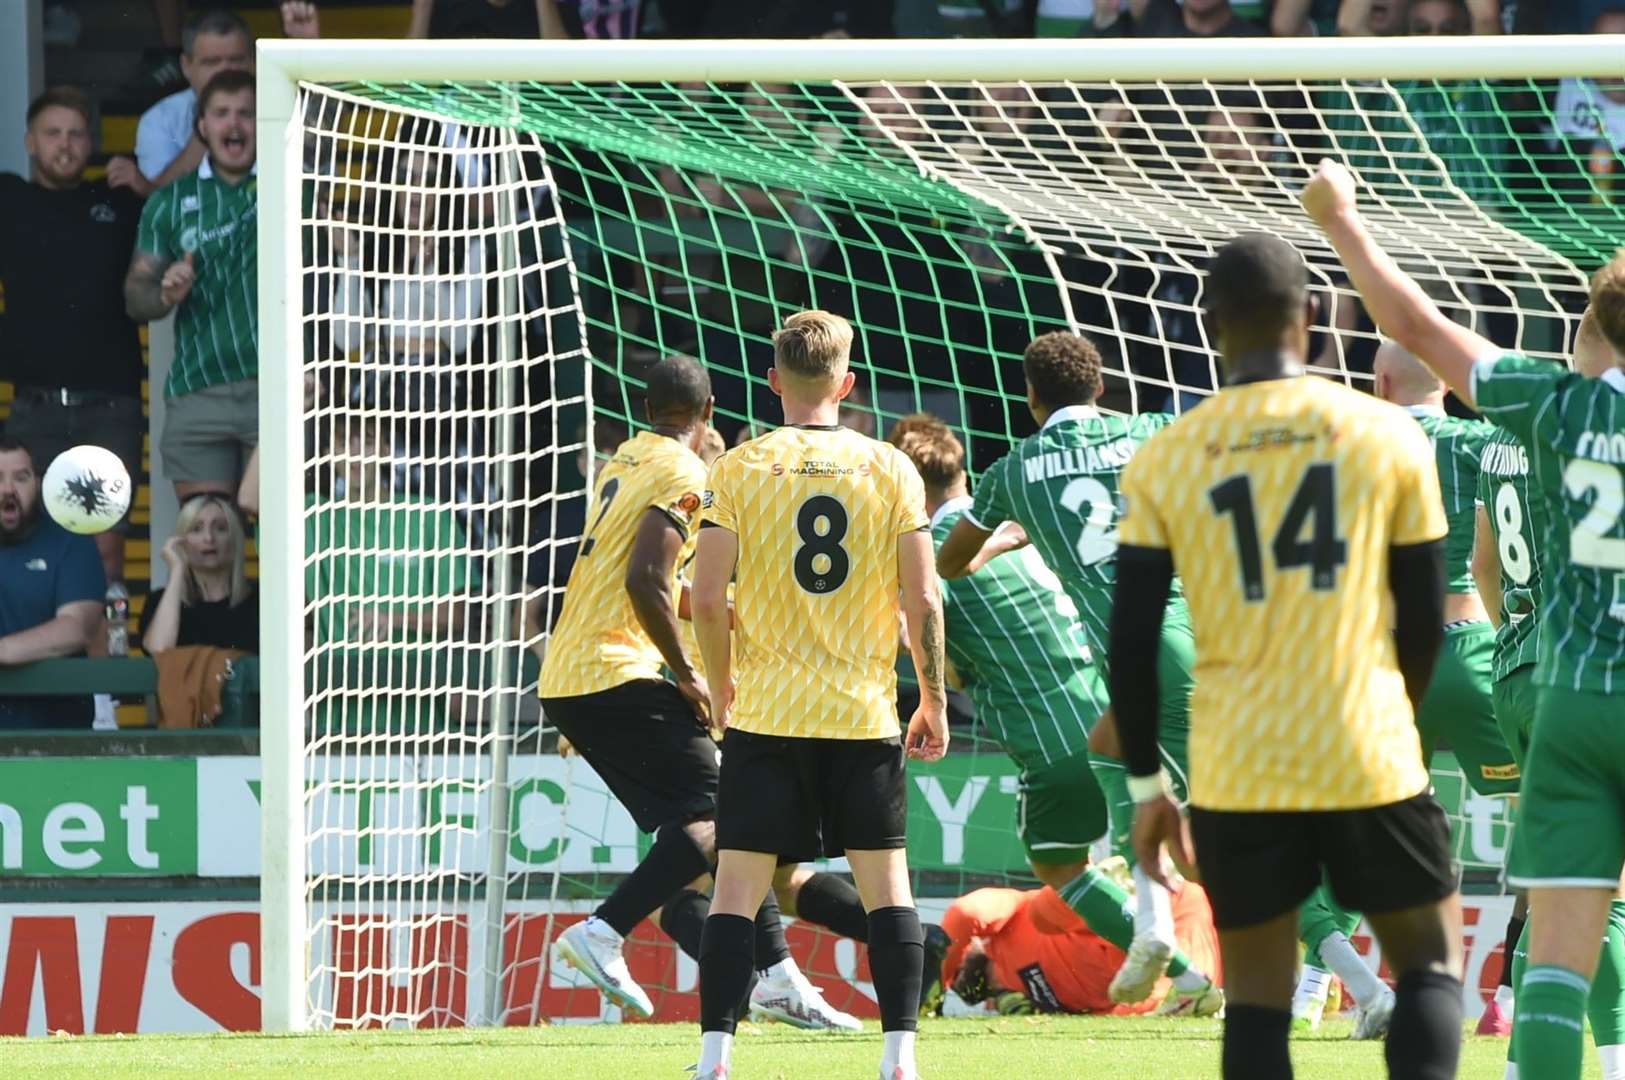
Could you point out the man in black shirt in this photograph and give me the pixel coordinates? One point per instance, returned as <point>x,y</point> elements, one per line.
<point>65,341</point>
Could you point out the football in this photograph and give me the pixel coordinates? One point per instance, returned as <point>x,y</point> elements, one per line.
<point>86,489</point>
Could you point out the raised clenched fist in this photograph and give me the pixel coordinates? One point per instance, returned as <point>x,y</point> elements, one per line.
<point>178,281</point>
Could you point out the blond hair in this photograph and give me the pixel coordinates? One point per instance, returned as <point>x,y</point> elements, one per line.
<point>188,516</point>
<point>1608,301</point>
<point>813,345</point>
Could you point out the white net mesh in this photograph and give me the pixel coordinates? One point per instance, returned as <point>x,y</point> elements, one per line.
<point>1128,190</point>
<point>445,398</point>
<point>487,271</point>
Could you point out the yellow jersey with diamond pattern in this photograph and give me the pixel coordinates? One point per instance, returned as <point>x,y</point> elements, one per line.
<point>1279,501</point>
<point>598,642</point>
<point>817,512</point>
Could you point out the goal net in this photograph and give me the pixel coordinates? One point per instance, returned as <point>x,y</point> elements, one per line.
<point>475,277</point>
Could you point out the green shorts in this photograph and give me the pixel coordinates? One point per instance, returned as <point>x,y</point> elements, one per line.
<point>1571,819</point>
<point>1460,711</point>
<point>1514,697</point>
<point>1060,810</point>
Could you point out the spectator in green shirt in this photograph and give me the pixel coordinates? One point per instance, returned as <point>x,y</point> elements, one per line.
<point>196,254</point>
<point>390,583</point>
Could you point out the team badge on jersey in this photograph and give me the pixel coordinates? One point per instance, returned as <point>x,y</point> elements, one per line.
<point>685,507</point>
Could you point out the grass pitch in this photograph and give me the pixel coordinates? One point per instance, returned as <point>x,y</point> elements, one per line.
<point>1026,1048</point>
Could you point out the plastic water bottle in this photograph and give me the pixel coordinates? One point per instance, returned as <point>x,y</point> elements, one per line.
<point>1601,168</point>
<point>118,620</point>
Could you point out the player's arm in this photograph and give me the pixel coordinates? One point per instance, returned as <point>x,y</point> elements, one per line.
<point>1144,576</point>
<point>922,613</point>
<point>965,542</point>
<point>1416,563</point>
<point>1486,565</point>
<point>977,536</point>
<point>716,552</point>
<point>649,569</point>
<point>1416,576</point>
<point>1006,538</point>
<point>1394,301</point>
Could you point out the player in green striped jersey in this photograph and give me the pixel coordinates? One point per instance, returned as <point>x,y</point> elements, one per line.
<point>1060,486</point>
<point>1507,572</point>
<point>1507,567</point>
<point>1569,845</point>
<point>1015,641</point>
<point>1459,707</point>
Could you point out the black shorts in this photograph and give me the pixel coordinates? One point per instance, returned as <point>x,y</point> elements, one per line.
<point>803,799</point>
<point>1258,865</point>
<point>645,741</point>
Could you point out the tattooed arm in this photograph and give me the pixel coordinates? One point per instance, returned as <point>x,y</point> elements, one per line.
<point>154,285</point>
<point>922,608</point>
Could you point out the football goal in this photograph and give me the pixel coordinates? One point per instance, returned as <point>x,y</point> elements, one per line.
<point>471,252</point>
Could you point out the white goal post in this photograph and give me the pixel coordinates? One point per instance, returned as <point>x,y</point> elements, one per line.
<point>285,67</point>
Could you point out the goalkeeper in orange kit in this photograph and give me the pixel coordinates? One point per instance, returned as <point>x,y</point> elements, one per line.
<point>1030,943</point>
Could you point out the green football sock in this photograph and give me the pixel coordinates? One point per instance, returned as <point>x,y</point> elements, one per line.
<point>1105,907</point>
<point>1102,905</point>
<point>1112,776</point>
<point>1520,964</point>
<point>1606,1008</point>
<point>1550,1022</point>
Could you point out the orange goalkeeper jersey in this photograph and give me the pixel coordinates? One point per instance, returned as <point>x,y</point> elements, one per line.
<point>1041,947</point>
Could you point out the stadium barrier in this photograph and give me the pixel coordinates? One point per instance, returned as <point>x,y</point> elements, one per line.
<point>129,868</point>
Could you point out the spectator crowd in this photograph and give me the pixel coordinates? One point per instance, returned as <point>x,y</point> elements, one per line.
<point>402,299</point>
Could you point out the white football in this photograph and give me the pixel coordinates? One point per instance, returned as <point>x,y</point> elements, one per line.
<point>87,489</point>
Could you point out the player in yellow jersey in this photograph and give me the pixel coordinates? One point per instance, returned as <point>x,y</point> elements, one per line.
<point>602,687</point>
<point>822,530</point>
<point>1305,521</point>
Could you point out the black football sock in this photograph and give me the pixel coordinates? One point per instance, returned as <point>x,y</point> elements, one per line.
<point>683,920</point>
<point>1424,1036</point>
<point>897,962</point>
<point>672,862</point>
<point>833,901</point>
<point>770,944</point>
<point>727,963</point>
<point>1514,932</point>
<point>1255,1043</point>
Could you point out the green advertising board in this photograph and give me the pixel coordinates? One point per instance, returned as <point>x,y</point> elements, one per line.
<point>93,817</point>
<point>141,817</point>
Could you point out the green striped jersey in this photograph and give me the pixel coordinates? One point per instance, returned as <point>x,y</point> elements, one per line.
<point>217,325</point>
<point>1515,520</point>
<point>1060,484</point>
<point>1574,430</point>
<point>1457,445</point>
<point>1014,637</point>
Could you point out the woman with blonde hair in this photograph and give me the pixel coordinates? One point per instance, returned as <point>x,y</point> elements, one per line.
<point>209,599</point>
